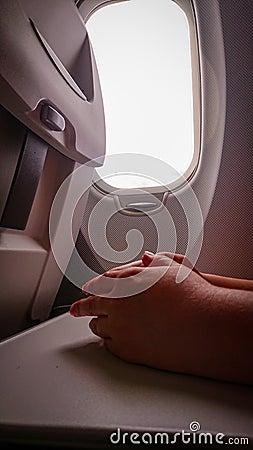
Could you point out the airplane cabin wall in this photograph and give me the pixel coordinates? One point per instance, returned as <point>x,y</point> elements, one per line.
<point>228,237</point>
<point>227,246</point>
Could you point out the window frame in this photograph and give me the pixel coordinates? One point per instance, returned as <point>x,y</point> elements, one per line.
<point>188,9</point>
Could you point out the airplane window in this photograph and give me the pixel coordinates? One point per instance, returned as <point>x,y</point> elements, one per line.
<point>143,53</point>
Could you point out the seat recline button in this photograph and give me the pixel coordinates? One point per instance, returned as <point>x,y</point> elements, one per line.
<point>52,118</point>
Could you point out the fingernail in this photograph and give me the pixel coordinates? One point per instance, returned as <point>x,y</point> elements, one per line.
<point>149,253</point>
<point>108,272</point>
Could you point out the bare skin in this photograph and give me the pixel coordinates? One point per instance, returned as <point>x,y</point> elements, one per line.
<point>201,326</point>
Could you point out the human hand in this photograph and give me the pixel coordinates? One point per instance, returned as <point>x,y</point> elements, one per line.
<point>99,285</point>
<point>157,327</point>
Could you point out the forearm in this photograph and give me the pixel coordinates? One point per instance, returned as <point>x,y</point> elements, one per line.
<point>227,282</point>
<point>228,336</point>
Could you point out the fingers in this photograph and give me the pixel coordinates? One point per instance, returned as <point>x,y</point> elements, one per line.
<point>125,272</point>
<point>159,259</point>
<point>165,258</point>
<point>90,306</point>
<point>148,257</point>
<point>87,287</point>
<point>100,327</point>
<point>100,286</point>
<point>124,266</point>
<point>104,285</point>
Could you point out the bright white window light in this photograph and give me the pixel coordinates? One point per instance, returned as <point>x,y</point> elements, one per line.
<point>142,49</point>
